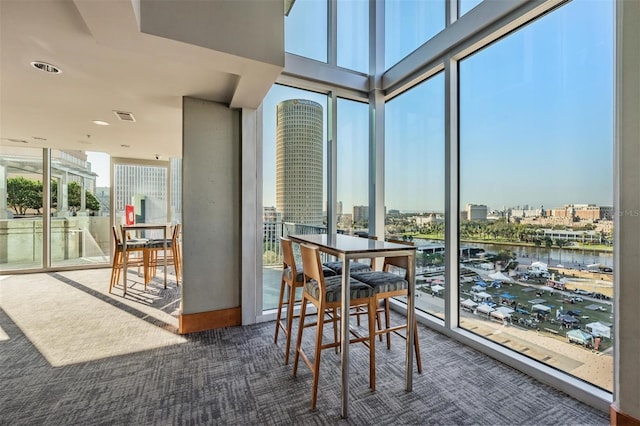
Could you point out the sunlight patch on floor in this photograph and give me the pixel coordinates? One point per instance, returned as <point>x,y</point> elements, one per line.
<point>69,326</point>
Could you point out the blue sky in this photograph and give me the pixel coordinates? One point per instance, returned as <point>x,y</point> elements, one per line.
<point>536,111</point>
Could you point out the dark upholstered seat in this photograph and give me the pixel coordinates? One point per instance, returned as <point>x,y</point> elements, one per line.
<point>328,272</point>
<point>333,290</point>
<point>353,267</point>
<point>382,281</point>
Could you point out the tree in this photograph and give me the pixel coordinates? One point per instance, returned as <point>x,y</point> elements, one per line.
<point>24,194</point>
<point>73,194</point>
<point>91,201</point>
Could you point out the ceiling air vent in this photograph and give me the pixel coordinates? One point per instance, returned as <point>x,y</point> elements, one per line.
<point>124,116</point>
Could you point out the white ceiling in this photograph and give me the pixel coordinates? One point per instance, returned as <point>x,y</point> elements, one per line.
<point>108,64</point>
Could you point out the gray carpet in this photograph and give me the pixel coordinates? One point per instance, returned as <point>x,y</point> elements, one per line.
<point>236,376</point>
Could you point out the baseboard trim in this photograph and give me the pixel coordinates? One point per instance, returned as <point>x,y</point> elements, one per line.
<point>620,419</point>
<point>201,321</point>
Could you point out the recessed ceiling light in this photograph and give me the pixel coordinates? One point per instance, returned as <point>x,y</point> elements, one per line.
<point>100,123</point>
<point>43,66</point>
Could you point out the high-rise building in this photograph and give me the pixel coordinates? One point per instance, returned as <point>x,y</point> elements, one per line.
<point>476,211</point>
<point>299,162</point>
<point>145,187</point>
<point>360,213</point>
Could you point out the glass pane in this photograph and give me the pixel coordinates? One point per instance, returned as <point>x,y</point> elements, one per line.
<point>21,209</point>
<point>144,188</point>
<point>294,178</point>
<point>414,184</point>
<point>408,25</point>
<point>353,167</point>
<point>467,5</point>
<point>353,35</point>
<point>306,29</point>
<point>536,183</point>
<point>80,225</point>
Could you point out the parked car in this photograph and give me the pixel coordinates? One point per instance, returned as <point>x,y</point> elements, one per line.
<point>583,292</point>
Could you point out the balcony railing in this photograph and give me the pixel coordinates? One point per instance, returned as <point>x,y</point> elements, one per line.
<point>272,231</point>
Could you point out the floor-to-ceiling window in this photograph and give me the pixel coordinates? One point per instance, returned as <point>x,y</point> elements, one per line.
<point>522,118</point>
<point>80,223</point>
<point>294,178</point>
<point>536,155</point>
<point>414,184</point>
<point>352,206</point>
<point>353,35</point>
<point>306,29</point>
<point>408,24</point>
<point>21,235</point>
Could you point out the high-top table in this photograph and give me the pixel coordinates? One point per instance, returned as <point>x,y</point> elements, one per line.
<point>142,227</point>
<point>347,248</point>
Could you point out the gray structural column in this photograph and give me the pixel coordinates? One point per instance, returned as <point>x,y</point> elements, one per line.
<point>212,214</point>
<point>626,396</point>
<point>251,216</point>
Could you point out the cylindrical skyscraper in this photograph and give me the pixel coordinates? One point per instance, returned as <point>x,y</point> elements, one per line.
<point>299,161</point>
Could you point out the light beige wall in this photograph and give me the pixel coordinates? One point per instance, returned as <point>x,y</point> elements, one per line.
<point>252,29</point>
<point>211,206</point>
<point>627,155</point>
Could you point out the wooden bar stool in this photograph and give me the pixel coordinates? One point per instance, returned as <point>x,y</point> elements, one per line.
<point>325,294</point>
<point>292,279</point>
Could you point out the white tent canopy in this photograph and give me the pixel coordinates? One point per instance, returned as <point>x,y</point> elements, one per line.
<point>484,309</point>
<point>539,265</point>
<point>599,329</point>
<point>436,288</point>
<point>468,303</point>
<point>499,276</point>
<point>482,296</point>
<point>546,288</point>
<point>499,315</point>
<point>505,310</point>
<point>541,308</point>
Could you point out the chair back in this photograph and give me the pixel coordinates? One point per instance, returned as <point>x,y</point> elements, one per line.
<point>312,265</point>
<point>175,233</point>
<point>116,236</point>
<point>288,259</point>
<point>397,261</point>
